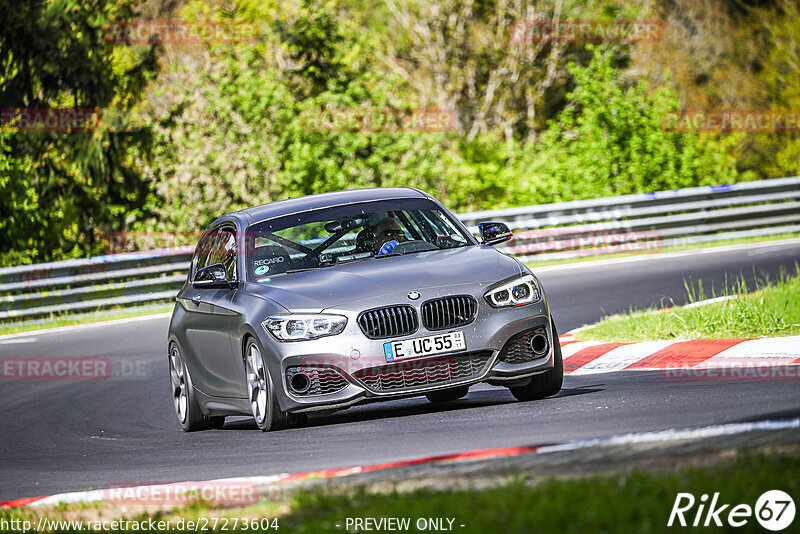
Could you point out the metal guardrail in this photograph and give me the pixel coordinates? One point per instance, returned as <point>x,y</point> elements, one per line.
<point>649,220</point>
<point>542,232</point>
<point>101,282</point>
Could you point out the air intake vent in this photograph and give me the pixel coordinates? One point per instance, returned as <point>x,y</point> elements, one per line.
<point>414,374</point>
<point>519,349</point>
<point>315,380</point>
<point>448,312</point>
<point>392,321</point>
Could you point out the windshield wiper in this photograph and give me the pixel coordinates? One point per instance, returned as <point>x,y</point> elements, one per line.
<point>301,270</point>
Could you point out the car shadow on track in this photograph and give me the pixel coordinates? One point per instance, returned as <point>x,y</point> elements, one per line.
<point>580,390</point>
<point>417,406</point>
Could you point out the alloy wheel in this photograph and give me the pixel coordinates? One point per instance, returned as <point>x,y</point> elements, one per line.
<point>257,383</point>
<point>178,378</point>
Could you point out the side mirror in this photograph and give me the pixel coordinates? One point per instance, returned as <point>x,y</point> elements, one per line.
<point>212,277</point>
<point>493,233</point>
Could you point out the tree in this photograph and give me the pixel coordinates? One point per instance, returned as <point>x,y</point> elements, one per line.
<point>481,59</point>
<point>252,124</point>
<point>68,187</point>
<point>613,140</point>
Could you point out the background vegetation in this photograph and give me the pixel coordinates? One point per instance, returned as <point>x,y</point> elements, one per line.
<point>193,131</point>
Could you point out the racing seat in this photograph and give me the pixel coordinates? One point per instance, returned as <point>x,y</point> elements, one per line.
<point>267,260</point>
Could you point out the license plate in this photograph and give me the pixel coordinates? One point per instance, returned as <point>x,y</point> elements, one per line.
<point>424,346</point>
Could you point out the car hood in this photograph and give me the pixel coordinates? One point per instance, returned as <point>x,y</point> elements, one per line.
<point>330,287</point>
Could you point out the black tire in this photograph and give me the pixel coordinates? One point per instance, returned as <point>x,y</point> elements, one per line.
<point>184,400</point>
<point>447,395</point>
<point>216,422</point>
<point>545,384</point>
<point>272,417</point>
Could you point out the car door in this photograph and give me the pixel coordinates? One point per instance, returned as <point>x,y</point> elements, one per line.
<point>213,318</point>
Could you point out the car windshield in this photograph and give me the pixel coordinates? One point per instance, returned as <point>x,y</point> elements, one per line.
<point>353,232</point>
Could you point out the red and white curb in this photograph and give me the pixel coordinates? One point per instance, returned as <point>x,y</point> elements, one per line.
<point>590,357</point>
<point>478,454</point>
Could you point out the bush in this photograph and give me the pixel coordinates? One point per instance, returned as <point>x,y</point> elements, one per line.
<point>610,140</point>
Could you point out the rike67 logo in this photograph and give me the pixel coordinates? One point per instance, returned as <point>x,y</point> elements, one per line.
<point>774,510</point>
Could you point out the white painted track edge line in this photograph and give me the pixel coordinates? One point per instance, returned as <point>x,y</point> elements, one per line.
<point>661,255</point>
<point>67,328</point>
<point>671,434</point>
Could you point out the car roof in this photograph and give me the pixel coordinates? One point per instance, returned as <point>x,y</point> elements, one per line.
<point>289,206</point>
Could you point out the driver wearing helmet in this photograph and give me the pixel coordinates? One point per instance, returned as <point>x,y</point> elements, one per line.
<point>388,234</point>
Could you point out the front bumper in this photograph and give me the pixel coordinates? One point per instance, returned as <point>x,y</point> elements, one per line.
<point>349,368</point>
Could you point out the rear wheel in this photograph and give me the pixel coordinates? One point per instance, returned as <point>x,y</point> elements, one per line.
<point>447,395</point>
<point>263,402</point>
<point>187,409</point>
<point>544,384</point>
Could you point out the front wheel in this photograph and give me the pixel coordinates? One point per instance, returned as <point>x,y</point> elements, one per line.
<point>266,411</point>
<point>545,384</point>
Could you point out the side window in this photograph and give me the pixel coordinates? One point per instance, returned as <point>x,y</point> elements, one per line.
<point>225,252</point>
<point>204,250</point>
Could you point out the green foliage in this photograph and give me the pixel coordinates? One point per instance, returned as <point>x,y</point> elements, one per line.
<point>244,123</point>
<point>61,190</point>
<point>18,206</point>
<point>611,140</point>
<point>246,132</point>
<point>782,156</point>
<point>631,501</point>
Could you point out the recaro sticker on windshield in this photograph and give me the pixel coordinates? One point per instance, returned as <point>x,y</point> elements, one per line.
<point>261,269</point>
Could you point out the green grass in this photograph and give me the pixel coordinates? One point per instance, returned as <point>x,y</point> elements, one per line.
<point>772,310</point>
<point>673,248</point>
<point>68,320</point>
<point>636,501</point>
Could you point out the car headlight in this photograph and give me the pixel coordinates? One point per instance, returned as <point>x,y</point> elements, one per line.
<point>296,327</point>
<point>523,290</point>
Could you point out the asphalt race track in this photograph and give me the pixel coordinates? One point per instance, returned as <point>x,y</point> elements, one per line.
<point>60,435</point>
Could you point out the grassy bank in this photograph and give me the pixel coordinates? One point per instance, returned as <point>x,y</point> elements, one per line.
<point>637,501</point>
<point>769,311</point>
<point>634,502</point>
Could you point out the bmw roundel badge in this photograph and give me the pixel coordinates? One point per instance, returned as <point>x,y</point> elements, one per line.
<point>414,295</point>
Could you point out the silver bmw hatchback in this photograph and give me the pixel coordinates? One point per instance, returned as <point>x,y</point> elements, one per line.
<point>318,303</point>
